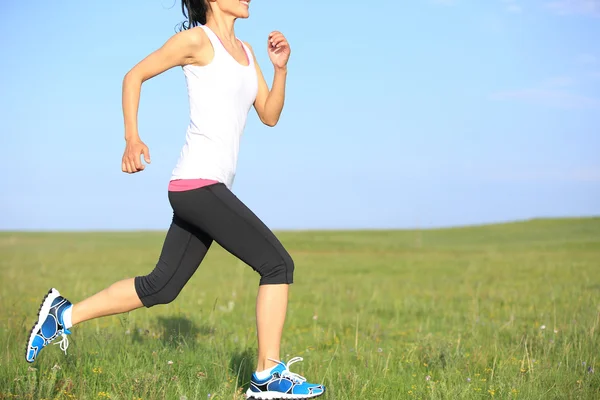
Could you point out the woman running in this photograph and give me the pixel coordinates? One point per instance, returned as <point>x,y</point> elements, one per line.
<point>223,82</point>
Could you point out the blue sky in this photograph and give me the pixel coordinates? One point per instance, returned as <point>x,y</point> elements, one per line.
<point>399,114</point>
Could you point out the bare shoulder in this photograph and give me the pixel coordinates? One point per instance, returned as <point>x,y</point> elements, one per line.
<point>197,45</point>
<point>194,37</point>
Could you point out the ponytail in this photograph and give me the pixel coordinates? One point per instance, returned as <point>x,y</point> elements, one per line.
<point>195,12</point>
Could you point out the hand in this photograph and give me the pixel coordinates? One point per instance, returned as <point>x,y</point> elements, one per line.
<point>279,49</point>
<point>131,157</point>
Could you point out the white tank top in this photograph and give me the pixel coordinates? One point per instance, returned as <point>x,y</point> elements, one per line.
<point>220,96</point>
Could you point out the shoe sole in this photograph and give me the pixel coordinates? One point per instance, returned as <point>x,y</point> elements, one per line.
<point>42,315</point>
<point>279,396</point>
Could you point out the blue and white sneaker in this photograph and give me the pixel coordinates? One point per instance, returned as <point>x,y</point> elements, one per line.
<point>49,325</point>
<point>283,384</point>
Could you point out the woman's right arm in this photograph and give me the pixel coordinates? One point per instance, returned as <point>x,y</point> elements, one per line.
<point>181,49</point>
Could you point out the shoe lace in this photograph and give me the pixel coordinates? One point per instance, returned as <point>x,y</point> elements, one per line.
<point>296,378</point>
<point>64,343</point>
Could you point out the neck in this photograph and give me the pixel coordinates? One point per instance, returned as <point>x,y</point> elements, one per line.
<point>222,25</point>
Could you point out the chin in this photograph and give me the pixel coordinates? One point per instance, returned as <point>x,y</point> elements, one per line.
<point>245,12</point>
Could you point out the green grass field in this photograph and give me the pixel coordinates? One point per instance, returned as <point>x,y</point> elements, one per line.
<point>509,311</point>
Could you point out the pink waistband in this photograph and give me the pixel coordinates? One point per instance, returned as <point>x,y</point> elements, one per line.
<point>181,185</point>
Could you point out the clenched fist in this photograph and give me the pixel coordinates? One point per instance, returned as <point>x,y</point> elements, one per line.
<point>132,163</point>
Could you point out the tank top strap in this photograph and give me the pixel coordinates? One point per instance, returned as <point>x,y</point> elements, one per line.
<point>248,53</point>
<point>214,39</point>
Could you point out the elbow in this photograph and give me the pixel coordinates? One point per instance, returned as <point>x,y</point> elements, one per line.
<point>128,76</point>
<point>269,121</point>
<point>132,77</point>
<point>128,79</point>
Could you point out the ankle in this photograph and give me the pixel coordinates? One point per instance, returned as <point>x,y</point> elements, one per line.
<point>67,317</point>
<point>75,314</point>
<point>265,364</point>
<point>264,373</point>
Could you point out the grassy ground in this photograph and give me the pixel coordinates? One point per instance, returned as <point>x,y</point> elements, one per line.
<point>508,311</point>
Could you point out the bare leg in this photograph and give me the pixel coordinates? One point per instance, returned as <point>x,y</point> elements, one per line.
<point>120,297</point>
<point>271,307</point>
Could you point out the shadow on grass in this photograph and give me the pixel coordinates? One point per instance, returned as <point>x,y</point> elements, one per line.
<point>176,332</point>
<point>182,332</point>
<point>242,364</point>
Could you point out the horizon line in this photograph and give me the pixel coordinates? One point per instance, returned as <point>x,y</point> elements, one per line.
<point>284,230</point>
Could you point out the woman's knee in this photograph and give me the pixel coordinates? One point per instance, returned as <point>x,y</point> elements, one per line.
<point>153,289</point>
<point>280,271</point>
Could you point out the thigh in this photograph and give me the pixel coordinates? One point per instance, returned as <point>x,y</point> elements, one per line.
<point>183,250</point>
<point>217,211</point>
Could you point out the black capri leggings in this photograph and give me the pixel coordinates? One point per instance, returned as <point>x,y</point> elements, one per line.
<point>200,216</point>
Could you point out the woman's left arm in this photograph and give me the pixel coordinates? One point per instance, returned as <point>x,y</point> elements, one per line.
<point>269,103</point>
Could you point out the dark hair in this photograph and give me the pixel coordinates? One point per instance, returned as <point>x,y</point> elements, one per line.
<point>195,11</point>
